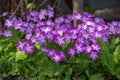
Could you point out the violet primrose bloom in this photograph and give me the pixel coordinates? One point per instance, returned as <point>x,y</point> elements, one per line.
<point>44,49</point>
<point>56,57</point>
<point>21,44</point>
<point>7,33</point>
<point>71,51</point>
<point>79,47</point>
<point>51,52</point>
<point>29,47</point>
<point>8,23</point>
<point>93,55</point>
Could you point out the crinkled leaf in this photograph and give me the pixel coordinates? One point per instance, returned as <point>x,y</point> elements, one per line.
<point>117,53</point>
<point>97,76</point>
<point>116,40</point>
<point>118,72</point>
<point>20,55</point>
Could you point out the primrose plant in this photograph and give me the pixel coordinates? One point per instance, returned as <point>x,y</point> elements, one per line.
<point>42,27</point>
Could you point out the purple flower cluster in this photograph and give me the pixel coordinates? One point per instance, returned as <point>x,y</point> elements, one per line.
<point>55,55</point>
<point>26,46</point>
<point>114,27</point>
<point>41,26</point>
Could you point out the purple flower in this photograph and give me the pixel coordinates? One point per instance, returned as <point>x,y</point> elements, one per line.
<point>96,46</point>
<point>99,20</point>
<point>28,36</point>
<point>115,23</point>
<point>25,24</point>
<point>44,49</point>
<point>17,24</point>
<point>60,32</point>
<point>34,13</point>
<point>68,37</point>
<point>81,39</point>
<point>42,14</point>
<point>29,17</point>
<point>98,34</point>
<point>62,54</point>
<point>90,23</point>
<point>29,30</point>
<point>31,25</point>
<point>50,12</point>
<point>56,57</point>
<point>29,47</point>
<point>79,47</point>
<point>51,52</point>
<point>21,44</point>
<point>88,49</point>
<point>93,55</point>
<point>93,39</point>
<point>84,27</point>
<point>41,39</point>
<point>23,29</point>
<point>100,28</point>
<point>46,29</point>
<point>8,23</point>
<point>7,33</point>
<point>49,22</point>
<point>113,27</point>
<point>86,35</point>
<point>77,16</point>
<point>71,51</point>
<point>33,39</point>
<point>49,36</point>
<point>35,19</point>
<point>59,20</point>
<point>59,40</point>
<point>91,29</point>
<point>105,38</point>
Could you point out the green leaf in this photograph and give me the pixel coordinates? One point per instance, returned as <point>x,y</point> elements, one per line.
<point>30,5</point>
<point>20,55</point>
<point>42,77</point>
<point>118,72</point>
<point>37,45</point>
<point>117,54</point>
<point>97,76</point>
<point>116,41</point>
<point>82,77</point>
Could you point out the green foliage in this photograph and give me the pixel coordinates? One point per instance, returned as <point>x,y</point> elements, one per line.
<point>97,76</point>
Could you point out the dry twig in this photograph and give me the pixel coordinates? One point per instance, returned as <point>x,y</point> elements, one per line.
<point>16,9</point>
<point>43,2</point>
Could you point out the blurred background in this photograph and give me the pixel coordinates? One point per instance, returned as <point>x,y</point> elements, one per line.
<point>108,9</point>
